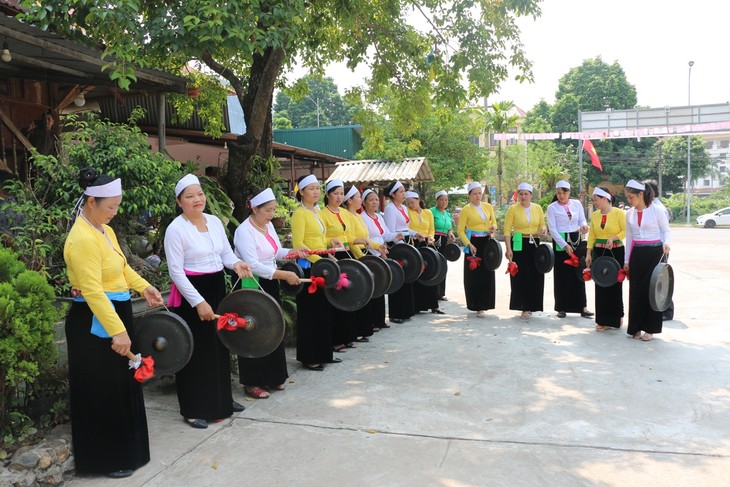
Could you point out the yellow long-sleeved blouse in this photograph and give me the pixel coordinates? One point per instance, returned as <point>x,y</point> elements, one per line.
<point>307,230</point>
<point>360,230</point>
<point>334,227</point>
<point>422,222</point>
<point>96,266</point>
<point>515,220</point>
<point>615,226</point>
<point>470,218</point>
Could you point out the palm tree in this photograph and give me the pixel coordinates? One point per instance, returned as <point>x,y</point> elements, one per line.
<point>499,120</point>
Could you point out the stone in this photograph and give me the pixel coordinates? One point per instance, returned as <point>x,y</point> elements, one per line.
<point>61,447</point>
<point>45,458</point>
<point>25,461</point>
<point>52,476</point>
<point>10,478</point>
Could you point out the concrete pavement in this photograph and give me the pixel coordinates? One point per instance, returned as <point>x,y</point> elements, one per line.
<point>458,401</point>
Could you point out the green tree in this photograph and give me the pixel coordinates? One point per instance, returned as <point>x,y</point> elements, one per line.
<point>445,137</point>
<point>597,86</point>
<point>319,105</point>
<point>674,162</point>
<point>250,44</point>
<point>499,120</point>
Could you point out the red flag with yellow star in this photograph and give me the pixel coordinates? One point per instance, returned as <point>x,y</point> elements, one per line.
<point>595,161</point>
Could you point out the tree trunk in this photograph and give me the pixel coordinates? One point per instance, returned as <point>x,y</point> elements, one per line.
<point>256,97</point>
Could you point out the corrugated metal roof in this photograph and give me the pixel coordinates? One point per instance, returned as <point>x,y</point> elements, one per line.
<point>414,169</point>
<point>119,112</point>
<point>341,140</point>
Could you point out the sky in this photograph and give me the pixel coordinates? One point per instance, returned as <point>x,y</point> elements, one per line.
<point>652,40</point>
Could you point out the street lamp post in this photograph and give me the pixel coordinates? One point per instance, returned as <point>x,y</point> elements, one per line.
<point>689,143</point>
<point>316,103</point>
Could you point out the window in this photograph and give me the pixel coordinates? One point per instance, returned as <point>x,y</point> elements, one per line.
<point>724,144</point>
<point>706,182</point>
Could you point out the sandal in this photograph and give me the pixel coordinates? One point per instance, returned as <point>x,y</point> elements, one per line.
<point>340,349</point>
<point>637,335</point>
<point>480,314</point>
<point>350,345</point>
<point>257,393</point>
<point>601,328</point>
<point>647,337</point>
<point>362,340</point>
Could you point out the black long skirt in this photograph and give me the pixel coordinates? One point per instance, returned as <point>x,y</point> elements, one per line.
<point>204,384</point>
<point>479,284</point>
<point>425,298</point>
<point>108,420</point>
<point>400,303</point>
<point>314,326</point>
<point>609,300</point>
<point>528,286</point>
<point>346,324</point>
<point>271,369</point>
<point>569,288</point>
<point>441,241</point>
<point>641,265</point>
<point>377,312</point>
<point>364,325</point>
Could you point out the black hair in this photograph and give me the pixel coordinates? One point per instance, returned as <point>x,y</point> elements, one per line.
<point>653,185</point>
<point>298,195</point>
<point>347,190</point>
<point>88,177</point>
<point>389,189</point>
<point>613,196</point>
<point>254,190</point>
<point>421,203</point>
<point>648,193</point>
<point>326,199</point>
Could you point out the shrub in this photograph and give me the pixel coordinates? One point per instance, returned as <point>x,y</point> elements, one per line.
<point>27,320</point>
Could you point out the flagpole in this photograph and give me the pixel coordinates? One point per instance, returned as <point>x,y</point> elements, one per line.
<point>580,162</point>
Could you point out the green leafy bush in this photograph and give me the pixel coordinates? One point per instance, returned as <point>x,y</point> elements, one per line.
<point>27,320</point>
<point>45,202</point>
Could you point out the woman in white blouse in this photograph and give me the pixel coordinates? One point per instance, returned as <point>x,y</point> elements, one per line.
<point>401,304</point>
<point>197,249</point>
<point>647,240</point>
<point>379,233</point>
<point>257,244</point>
<point>567,222</point>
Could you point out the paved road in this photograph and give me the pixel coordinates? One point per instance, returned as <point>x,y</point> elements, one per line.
<point>455,401</point>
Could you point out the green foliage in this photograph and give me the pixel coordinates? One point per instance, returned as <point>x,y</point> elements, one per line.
<point>251,43</point>
<point>123,151</point>
<point>208,103</point>
<point>218,203</point>
<point>596,86</point>
<point>674,161</point>
<point>300,106</point>
<point>443,136</point>
<point>46,200</point>
<point>677,204</point>
<point>27,320</point>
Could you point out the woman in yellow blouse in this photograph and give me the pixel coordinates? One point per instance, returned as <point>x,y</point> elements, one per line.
<point>605,234</point>
<point>108,421</point>
<point>422,232</point>
<point>522,222</point>
<point>314,313</point>
<point>476,224</point>
<point>374,312</point>
<point>339,225</point>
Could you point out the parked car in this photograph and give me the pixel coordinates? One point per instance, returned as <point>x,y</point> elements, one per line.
<point>711,220</point>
